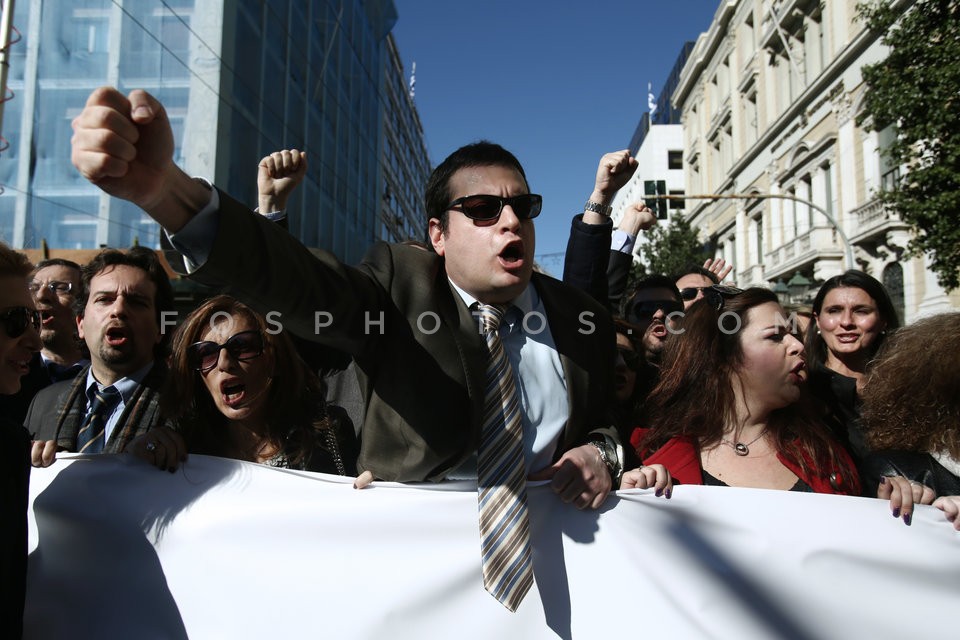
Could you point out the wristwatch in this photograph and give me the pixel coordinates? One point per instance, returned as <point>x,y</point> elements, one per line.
<point>596,207</point>
<point>608,455</point>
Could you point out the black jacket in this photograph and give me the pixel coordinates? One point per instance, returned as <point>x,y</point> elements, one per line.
<point>14,486</point>
<point>919,467</point>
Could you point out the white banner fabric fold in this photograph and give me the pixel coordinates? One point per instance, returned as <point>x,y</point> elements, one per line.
<point>226,549</point>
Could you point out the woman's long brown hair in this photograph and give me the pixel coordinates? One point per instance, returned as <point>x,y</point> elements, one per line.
<point>295,408</point>
<point>695,396</point>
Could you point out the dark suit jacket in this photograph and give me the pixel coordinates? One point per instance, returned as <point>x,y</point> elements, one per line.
<point>14,496</point>
<point>592,266</point>
<point>15,406</point>
<point>913,465</point>
<point>57,412</point>
<point>423,386</point>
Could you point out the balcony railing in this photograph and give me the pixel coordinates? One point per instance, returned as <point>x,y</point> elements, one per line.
<point>872,218</point>
<point>810,244</point>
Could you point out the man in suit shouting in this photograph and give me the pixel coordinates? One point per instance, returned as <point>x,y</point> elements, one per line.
<point>434,383</point>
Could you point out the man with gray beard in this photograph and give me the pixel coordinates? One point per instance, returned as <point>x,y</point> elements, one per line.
<point>115,399</point>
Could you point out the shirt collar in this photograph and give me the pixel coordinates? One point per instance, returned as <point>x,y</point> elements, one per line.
<point>47,363</point>
<point>126,386</point>
<point>525,302</point>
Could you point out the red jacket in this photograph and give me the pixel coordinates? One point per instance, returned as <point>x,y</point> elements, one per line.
<point>681,457</point>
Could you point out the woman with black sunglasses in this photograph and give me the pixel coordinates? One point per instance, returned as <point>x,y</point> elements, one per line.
<point>19,340</point>
<point>238,389</point>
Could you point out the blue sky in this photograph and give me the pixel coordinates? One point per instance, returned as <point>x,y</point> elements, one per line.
<point>558,83</point>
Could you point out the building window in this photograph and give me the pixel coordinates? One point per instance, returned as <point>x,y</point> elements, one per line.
<point>806,192</point>
<point>792,192</point>
<point>758,223</point>
<point>889,172</point>
<point>893,283</point>
<point>675,159</point>
<point>751,125</point>
<point>676,203</point>
<point>695,183</point>
<point>827,188</point>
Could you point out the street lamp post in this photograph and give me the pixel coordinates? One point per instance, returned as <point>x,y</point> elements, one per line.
<point>847,246</point>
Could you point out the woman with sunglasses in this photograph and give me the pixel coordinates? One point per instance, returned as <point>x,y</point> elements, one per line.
<point>19,340</point>
<point>237,389</point>
<point>730,409</point>
<point>852,313</point>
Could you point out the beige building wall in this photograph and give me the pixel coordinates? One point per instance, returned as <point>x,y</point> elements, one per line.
<point>770,98</point>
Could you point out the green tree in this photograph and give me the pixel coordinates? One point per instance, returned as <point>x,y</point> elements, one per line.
<point>916,89</point>
<point>672,248</point>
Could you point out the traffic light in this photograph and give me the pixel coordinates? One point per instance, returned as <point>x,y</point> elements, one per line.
<point>656,188</point>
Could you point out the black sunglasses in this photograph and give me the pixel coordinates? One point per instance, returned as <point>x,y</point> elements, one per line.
<point>630,357</point>
<point>15,320</point>
<point>716,296</point>
<point>243,346</point>
<point>485,207</point>
<point>645,310</point>
<point>690,293</point>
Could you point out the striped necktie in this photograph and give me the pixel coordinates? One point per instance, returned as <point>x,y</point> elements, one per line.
<point>91,437</point>
<point>501,476</point>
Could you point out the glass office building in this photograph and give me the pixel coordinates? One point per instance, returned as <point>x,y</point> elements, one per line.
<point>239,79</point>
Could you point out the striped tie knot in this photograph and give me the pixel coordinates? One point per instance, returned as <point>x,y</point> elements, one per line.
<point>490,316</point>
<point>103,398</point>
<point>91,437</point>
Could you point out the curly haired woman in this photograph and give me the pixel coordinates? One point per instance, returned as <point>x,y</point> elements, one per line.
<point>911,416</point>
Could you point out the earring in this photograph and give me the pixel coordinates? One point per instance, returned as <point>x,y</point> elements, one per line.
<point>818,331</point>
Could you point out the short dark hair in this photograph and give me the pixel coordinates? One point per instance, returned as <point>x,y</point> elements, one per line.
<point>700,271</point>
<point>478,154</point>
<point>13,263</point>
<point>63,262</point>
<point>814,344</point>
<point>141,258</point>
<point>656,281</point>
<point>57,262</point>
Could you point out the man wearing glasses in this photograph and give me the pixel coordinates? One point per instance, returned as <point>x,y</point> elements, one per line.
<point>54,284</point>
<point>116,397</point>
<point>696,282</point>
<point>654,310</point>
<point>406,316</point>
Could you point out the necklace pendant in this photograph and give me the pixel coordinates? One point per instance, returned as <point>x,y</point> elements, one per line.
<point>741,449</point>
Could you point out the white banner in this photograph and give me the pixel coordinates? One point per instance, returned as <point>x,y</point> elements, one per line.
<point>224,549</point>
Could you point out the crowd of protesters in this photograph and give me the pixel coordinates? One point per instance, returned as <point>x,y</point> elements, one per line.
<point>679,380</point>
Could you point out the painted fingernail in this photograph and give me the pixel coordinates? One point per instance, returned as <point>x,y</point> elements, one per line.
<point>907,518</point>
<point>896,512</point>
<point>658,493</point>
<point>668,493</point>
<point>883,479</point>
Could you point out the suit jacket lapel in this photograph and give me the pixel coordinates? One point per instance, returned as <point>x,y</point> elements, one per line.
<point>472,351</point>
<point>71,413</point>
<point>561,317</point>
